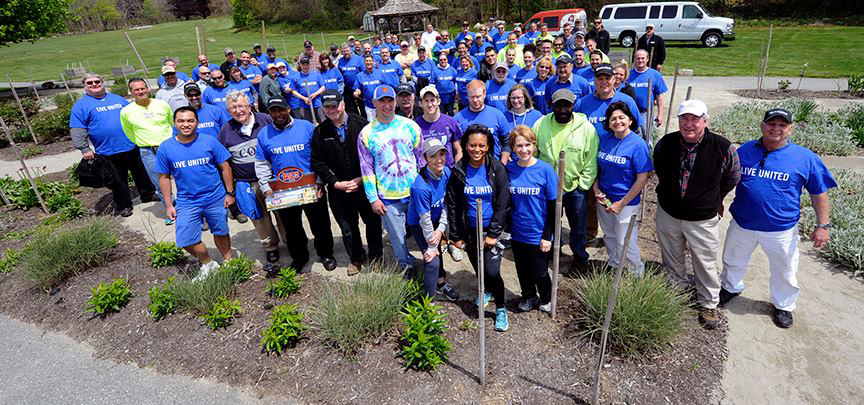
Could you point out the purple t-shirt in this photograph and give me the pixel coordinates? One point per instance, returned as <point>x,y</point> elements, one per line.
<point>446,129</point>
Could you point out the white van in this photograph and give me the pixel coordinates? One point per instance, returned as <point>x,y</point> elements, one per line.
<point>673,20</point>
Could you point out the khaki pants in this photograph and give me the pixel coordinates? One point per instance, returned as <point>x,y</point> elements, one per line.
<point>264,226</point>
<point>701,238</point>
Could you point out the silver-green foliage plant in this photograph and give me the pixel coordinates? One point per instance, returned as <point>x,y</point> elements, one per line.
<point>285,329</point>
<point>109,297</point>
<point>423,345</point>
<point>815,129</point>
<point>9,260</point>
<point>852,115</point>
<point>846,245</point>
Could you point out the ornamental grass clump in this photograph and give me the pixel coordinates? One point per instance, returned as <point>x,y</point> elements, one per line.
<point>648,314</point>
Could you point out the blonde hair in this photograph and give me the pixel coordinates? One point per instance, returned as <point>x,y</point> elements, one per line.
<point>548,60</point>
<point>622,65</point>
<point>525,132</point>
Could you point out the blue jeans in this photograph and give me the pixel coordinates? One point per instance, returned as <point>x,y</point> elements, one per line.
<point>576,209</point>
<point>148,158</point>
<point>432,270</point>
<point>394,221</point>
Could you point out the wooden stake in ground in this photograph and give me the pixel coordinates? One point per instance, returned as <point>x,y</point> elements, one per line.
<point>481,286</point>
<point>671,100</point>
<point>203,40</point>
<point>39,99</point>
<point>198,38</point>
<point>264,35</point>
<point>767,52</point>
<point>311,108</point>
<point>323,44</point>
<point>689,90</point>
<point>610,306</point>
<point>134,49</point>
<point>23,165</point>
<point>21,108</point>
<point>556,242</point>
<point>759,71</point>
<point>4,198</point>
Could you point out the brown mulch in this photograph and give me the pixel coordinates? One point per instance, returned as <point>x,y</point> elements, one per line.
<point>776,94</point>
<point>60,146</point>
<point>537,361</point>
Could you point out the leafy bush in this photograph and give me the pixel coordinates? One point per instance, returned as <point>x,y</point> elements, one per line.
<point>21,194</point>
<point>12,114</point>
<point>55,256</point>
<point>162,300</point>
<point>286,285</point>
<point>423,345</point>
<point>352,314</point>
<point>51,126</point>
<point>240,268</point>
<point>62,101</point>
<point>66,205</point>
<point>163,254</point>
<point>852,116</point>
<point>32,150</point>
<point>220,314</point>
<point>814,129</point>
<point>648,315</point>
<point>9,260</point>
<point>846,245</point>
<point>856,84</point>
<point>120,88</point>
<point>284,331</point>
<point>108,298</point>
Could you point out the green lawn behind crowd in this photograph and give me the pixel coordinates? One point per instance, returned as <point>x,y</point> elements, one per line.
<point>830,51</point>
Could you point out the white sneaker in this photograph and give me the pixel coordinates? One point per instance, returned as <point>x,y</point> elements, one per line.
<point>547,307</point>
<point>205,271</point>
<point>455,253</point>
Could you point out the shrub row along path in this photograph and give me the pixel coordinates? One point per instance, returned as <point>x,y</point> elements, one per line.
<point>820,359</point>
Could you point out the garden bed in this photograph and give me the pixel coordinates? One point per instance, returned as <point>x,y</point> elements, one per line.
<point>777,94</point>
<point>62,145</point>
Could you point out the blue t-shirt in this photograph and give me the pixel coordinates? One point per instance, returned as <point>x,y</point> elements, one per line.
<point>194,166</point>
<point>530,188</point>
<point>538,89</point>
<point>333,80</point>
<point>349,69</point>
<point>595,109</point>
<point>461,36</point>
<point>367,83</point>
<point>455,60</point>
<point>376,51</point>
<point>440,46</point>
<point>101,118</point>
<point>477,186</point>
<point>286,83</point>
<point>639,81</point>
<point>422,69</point>
<point>500,39</point>
<point>585,72</point>
<point>215,96</point>
<point>525,75</point>
<point>444,80</point>
<point>288,150</point>
<point>250,72</point>
<point>479,51</point>
<point>211,119</point>
<point>493,119</point>
<point>528,118</point>
<point>181,77</point>
<point>213,67</point>
<point>496,93</point>
<point>577,85</point>
<point>768,197</point>
<point>427,196</point>
<point>392,72</point>
<point>263,62</point>
<point>463,77</point>
<point>618,163</point>
<point>306,84</point>
<point>244,86</point>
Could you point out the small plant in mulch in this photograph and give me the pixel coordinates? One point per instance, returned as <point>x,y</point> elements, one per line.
<point>222,313</point>
<point>284,330</point>
<point>468,325</point>
<point>856,84</point>
<point>423,345</point>
<point>648,314</point>
<point>9,260</point>
<point>164,254</point>
<point>240,268</point>
<point>21,194</point>
<point>32,150</point>
<point>783,85</point>
<point>109,297</point>
<point>287,284</point>
<point>162,300</point>
<point>65,205</point>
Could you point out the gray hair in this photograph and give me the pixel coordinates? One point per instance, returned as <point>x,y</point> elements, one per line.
<point>235,96</point>
<point>345,45</point>
<point>91,76</point>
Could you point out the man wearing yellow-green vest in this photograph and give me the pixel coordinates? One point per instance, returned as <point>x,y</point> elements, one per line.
<point>571,132</point>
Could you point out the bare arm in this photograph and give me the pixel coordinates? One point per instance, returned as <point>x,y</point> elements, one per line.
<point>228,180</point>
<point>165,189</point>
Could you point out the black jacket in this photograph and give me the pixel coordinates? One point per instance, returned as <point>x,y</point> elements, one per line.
<point>332,159</point>
<point>485,72</point>
<point>628,90</point>
<point>416,112</point>
<point>657,44</point>
<point>457,212</point>
<point>601,38</point>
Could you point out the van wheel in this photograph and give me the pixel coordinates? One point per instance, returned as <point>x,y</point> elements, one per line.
<point>627,39</point>
<point>712,39</point>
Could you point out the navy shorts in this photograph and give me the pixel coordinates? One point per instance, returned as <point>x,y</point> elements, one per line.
<point>188,225</point>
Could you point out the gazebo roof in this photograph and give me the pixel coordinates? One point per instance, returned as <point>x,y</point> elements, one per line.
<point>395,8</point>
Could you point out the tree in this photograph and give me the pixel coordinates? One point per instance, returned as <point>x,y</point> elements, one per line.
<point>187,8</point>
<point>29,20</point>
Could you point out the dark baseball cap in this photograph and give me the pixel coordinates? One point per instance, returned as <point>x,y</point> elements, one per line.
<point>564,58</point>
<point>307,44</point>
<point>191,88</point>
<point>405,88</point>
<point>331,98</point>
<point>276,102</point>
<point>604,69</point>
<point>256,46</point>
<point>777,112</point>
<point>271,49</point>
<point>304,59</point>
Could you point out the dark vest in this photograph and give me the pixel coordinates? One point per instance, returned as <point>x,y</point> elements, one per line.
<point>704,196</point>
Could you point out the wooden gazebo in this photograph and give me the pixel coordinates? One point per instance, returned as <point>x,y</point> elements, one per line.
<point>402,15</point>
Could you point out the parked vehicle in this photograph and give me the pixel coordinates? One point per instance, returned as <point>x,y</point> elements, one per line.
<point>555,19</point>
<point>673,20</point>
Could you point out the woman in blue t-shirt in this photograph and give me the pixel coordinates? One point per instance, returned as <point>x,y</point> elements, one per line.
<point>427,217</point>
<point>623,164</point>
<point>545,71</point>
<point>444,79</point>
<point>479,175</point>
<point>520,107</point>
<point>464,75</point>
<point>333,79</point>
<point>533,189</point>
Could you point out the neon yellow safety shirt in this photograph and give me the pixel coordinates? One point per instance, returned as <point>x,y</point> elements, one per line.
<point>579,139</point>
<point>147,126</point>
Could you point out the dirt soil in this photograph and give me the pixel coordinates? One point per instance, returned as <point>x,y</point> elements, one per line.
<point>538,360</point>
<point>54,148</point>
<point>776,94</point>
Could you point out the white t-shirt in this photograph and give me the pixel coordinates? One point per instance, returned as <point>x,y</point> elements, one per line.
<point>428,39</point>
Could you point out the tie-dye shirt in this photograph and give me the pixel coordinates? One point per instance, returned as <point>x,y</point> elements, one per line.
<point>389,156</point>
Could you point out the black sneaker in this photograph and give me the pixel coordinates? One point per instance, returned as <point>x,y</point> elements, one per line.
<point>782,319</point>
<point>708,318</point>
<point>241,218</point>
<point>726,296</point>
<point>447,292</point>
<point>126,212</point>
<point>272,256</point>
<point>595,243</point>
<point>329,263</point>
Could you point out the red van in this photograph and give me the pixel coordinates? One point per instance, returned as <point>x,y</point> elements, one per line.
<point>555,19</point>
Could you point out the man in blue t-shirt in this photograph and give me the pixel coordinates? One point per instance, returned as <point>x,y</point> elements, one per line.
<point>349,65</point>
<point>480,113</point>
<point>565,79</point>
<point>283,158</point>
<point>639,78</point>
<point>766,210</point>
<point>95,118</point>
<point>205,188</point>
<point>210,117</point>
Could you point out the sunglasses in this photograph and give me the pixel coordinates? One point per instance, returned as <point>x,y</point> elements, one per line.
<point>93,82</point>
<point>597,22</point>
<point>218,77</point>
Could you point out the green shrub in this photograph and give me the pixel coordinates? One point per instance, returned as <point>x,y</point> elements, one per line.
<point>284,331</point>
<point>32,150</point>
<point>363,310</point>
<point>72,171</point>
<point>162,300</point>
<point>423,345</point>
<point>66,205</point>
<point>9,260</point>
<point>852,116</point>
<point>108,298</point>
<point>120,88</point>
<point>51,126</point>
<point>846,245</point>
<point>814,129</point>
<point>62,101</point>
<point>220,314</point>
<point>856,84</point>
<point>286,285</point>
<point>11,113</point>
<point>649,312</point>
<point>21,194</point>
<point>240,268</point>
<point>163,254</point>
<point>55,256</point>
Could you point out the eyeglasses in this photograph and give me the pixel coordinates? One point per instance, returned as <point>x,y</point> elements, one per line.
<point>200,73</point>
<point>93,82</point>
<point>218,77</point>
<point>517,98</point>
<point>598,22</point>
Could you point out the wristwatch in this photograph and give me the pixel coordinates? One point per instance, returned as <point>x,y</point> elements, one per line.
<point>826,226</point>
<point>231,193</point>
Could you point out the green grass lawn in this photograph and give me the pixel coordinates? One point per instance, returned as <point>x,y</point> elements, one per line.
<point>829,50</point>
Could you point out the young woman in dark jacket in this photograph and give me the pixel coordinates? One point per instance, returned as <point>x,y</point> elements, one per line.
<point>479,175</point>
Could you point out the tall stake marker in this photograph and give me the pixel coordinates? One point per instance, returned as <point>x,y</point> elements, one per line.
<point>21,107</point>
<point>481,281</point>
<point>23,165</point>
<point>671,99</point>
<point>556,243</point>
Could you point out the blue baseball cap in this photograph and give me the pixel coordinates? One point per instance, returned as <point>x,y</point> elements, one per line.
<point>383,91</point>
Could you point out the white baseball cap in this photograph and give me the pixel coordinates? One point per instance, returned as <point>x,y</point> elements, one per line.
<point>695,107</point>
<point>429,89</point>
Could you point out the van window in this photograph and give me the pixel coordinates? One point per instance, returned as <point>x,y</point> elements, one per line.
<point>654,13</point>
<point>670,11</point>
<point>552,22</point>
<point>690,12</point>
<point>607,12</point>
<point>630,13</point>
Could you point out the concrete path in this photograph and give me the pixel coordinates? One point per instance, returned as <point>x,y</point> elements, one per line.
<point>38,367</point>
<point>41,164</point>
